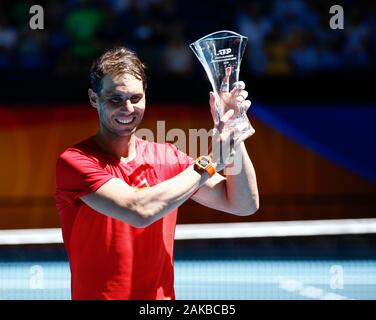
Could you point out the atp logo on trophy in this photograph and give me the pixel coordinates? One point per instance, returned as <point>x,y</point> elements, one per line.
<point>223,52</point>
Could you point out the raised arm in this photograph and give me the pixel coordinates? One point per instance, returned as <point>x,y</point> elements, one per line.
<point>237,192</point>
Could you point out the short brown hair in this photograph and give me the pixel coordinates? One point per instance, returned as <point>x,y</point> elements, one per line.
<point>114,62</point>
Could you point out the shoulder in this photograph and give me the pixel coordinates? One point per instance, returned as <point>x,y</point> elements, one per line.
<point>82,152</point>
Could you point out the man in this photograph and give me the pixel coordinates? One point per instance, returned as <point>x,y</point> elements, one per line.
<point>118,195</point>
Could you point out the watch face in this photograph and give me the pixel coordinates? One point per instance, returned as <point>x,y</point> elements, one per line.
<point>204,162</point>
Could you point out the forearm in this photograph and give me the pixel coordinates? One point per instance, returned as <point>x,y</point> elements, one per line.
<point>155,202</point>
<point>241,184</point>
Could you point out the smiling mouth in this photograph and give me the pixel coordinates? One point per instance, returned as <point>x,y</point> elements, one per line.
<point>125,121</point>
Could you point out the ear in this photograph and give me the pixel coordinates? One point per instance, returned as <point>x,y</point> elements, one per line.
<point>93,98</point>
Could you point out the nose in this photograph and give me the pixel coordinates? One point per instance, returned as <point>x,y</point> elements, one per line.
<point>128,106</point>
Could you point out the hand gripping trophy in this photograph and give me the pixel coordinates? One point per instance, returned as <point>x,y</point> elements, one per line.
<point>220,53</point>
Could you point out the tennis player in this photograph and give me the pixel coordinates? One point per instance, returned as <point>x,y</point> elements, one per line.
<point>118,195</point>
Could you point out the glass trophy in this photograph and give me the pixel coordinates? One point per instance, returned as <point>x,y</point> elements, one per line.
<point>221,53</point>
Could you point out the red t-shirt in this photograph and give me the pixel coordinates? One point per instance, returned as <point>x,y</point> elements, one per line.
<point>110,259</point>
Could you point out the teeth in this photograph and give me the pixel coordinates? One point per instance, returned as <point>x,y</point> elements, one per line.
<point>125,121</point>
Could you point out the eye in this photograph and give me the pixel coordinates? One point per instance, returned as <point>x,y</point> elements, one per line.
<point>116,100</point>
<point>135,99</point>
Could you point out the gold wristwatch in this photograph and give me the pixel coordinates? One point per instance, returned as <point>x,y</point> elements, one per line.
<point>204,163</point>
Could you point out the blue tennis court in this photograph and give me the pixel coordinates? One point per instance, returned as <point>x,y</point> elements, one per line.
<point>327,267</point>
<point>224,280</point>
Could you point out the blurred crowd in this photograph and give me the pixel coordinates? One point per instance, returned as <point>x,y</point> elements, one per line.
<point>284,36</point>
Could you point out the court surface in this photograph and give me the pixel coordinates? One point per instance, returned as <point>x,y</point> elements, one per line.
<point>264,267</point>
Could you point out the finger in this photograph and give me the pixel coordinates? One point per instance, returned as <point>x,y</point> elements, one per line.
<point>245,105</point>
<point>241,96</point>
<point>227,116</point>
<point>224,119</point>
<point>238,85</point>
<point>243,93</point>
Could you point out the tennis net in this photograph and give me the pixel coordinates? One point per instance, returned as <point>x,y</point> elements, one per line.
<point>319,259</point>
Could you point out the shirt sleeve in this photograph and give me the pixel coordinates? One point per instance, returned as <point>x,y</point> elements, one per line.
<point>78,174</point>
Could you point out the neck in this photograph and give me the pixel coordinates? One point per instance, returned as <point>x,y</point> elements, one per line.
<point>123,148</point>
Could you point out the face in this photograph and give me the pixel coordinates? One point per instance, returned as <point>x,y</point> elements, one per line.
<point>120,105</point>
